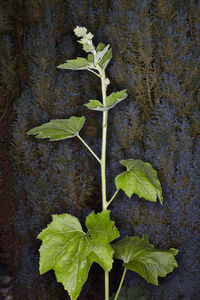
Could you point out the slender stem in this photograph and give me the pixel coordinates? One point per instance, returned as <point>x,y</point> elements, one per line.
<point>108,203</point>
<point>104,136</point>
<point>106,285</point>
<point>89,148</point>
<point>120,285</point>
<point>103,180</point>
<point>103,161</point>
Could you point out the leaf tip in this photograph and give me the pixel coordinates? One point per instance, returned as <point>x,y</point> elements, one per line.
<point>174,251</point>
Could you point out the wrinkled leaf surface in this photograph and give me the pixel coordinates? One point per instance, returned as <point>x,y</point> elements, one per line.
<point>70,252</point>
<point>140,256</point>
<point>141,179</point>
<point>58,129</point>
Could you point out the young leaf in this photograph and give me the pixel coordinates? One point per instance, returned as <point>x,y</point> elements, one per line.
<point>100,54</point>
<point>100,47</point>
<point>90,57</point>
<point>95,105</point>
<point>111,101</point>
<point>70,252</point>
<point>141,179</point>
<point>106,59</point>
<point>143,258</point>
<point>115,98</point>
<point>79,63</point>
<point>58,129</point>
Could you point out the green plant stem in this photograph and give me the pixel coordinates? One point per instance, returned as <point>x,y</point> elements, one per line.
<point>106,285</point>
<point>120,285</point>
<point>109,202</point>
<point>103,161</point>
<point>88,147</point>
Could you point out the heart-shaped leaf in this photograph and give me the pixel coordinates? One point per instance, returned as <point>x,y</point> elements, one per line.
<point>141,179</point>
<point>58,129</point>
<point>79,63</point>
<point>143,258</point>
<point>70,252</point>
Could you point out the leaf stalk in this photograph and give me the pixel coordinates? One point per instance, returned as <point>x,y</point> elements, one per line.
<point>120,285</point>
<point>93,72</point>
<point>109,202</point>
<point>88,147</point>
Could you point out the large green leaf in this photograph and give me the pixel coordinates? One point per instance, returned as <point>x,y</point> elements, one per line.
<point>111,101</point>
<point>141,179</point>
<point>58,129</point>
<point>70,252</point>
<point>102,231</point>
<point>143,258</point>
<point>79,63</point>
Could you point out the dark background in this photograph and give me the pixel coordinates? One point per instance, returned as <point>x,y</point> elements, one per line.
<point>156,57</point>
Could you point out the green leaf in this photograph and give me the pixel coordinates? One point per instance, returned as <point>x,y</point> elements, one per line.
<point>143,258</point>
<point>141,179</point>
<point>111,101</point>
<point>95,105</point>
<point>115,98</point>
<point>100,47</point>
<point>79,63</point>
<point>100,54</point>
<point>70,252</point>
<point>102,232</point>
<point>106,59</point>
<point>58,129</point>
<point>90,57</point>
<point>130,293</point>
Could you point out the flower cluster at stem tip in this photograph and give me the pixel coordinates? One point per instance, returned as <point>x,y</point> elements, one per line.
<point>86,38</point>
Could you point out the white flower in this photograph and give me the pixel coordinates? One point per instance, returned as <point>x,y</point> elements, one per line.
<point>80,31</point>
